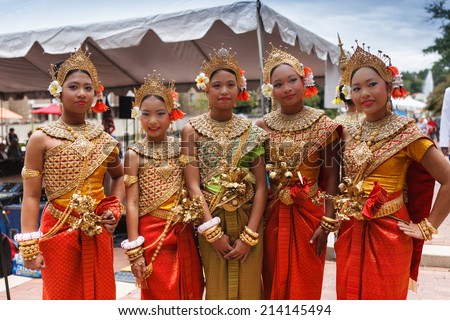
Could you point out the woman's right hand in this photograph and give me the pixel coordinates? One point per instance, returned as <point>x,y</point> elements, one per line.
<point>222,245</point>
<point>138,267</point>
<point>35,264</point>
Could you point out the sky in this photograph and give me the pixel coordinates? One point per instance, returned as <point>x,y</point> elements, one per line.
<point>400,28</point>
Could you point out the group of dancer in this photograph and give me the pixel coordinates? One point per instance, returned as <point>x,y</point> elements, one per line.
<point>234,209</point>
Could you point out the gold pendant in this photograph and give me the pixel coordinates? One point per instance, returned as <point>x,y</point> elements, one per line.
<point>361,154</point>
<point>82,145</point>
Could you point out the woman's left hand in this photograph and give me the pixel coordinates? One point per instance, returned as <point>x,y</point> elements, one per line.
<point>411,229</point>
<point>109,221</point>
<point>321,237</point>
<point>240,251</point>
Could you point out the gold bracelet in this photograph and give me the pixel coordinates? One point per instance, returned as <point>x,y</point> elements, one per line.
<point>210,230</point>
<point>248,239</point>
<point>129,180</point>
<point>427,229</point>
<point>251,233</point>
<point>212,236</point>
<point>329,224</point>
<point>134,251</point>
<point>432,229</point>
<point>30,173</point>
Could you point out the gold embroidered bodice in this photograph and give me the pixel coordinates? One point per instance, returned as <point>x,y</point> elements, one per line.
<point>295,143</point>
<point>161,176</point>
<point>63,164</point>
<point>398,141</point>
<point>213,148</point>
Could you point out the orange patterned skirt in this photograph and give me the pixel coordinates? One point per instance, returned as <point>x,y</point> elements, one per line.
<point>373,259</point>
<point>77,267</point>
<point>177,271</point>
<point>291,268</point>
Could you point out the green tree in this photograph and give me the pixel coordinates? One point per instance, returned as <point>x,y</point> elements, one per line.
<point>442,44</point>
<point>441,68</point>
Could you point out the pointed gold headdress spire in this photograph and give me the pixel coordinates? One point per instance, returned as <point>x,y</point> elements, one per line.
<point>277,57</point>
<point>154,86</point>
<point>343,59</point>
<point>78,61</point>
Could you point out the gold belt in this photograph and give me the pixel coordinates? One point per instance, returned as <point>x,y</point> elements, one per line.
<point>89,223</point>
<point>229,205</point>
<point>390,207</point>
<point>164,214</point>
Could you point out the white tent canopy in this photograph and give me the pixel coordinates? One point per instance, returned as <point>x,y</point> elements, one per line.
<point>408,104</point>
<point>174,44</point>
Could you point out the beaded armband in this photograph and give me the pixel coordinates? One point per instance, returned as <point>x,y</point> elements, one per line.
<point>129,180</point>
<point>30,173</point>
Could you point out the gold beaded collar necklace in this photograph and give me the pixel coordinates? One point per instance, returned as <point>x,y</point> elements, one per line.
<point>81,144</point>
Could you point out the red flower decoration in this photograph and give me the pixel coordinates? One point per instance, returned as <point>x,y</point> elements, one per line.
<point>176,114</point>
<point>399,93</point>
<point>377,197</point>
<point>310,92</point>
<point>307,71</point>
<point>243,95</point>
<point>393,70</point>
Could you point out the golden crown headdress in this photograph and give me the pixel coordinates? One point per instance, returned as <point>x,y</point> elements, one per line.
<point>154,86</point>
<point>277,57</point>
<point>223,60</point>
<point>381,63</point>
<point>362,58</point>
<point>77,61</point>
<point>343,59</point>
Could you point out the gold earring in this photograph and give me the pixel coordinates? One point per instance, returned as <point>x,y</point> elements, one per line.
<point>171,128</point>
<point>60,107</point>
<point>274,105</point>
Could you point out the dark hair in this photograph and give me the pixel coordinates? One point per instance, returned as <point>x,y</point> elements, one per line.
<point>342,96</point>
<point>227,70</point>
<point>58,65</point>
<point>273,69</point>
<point>152,95</point>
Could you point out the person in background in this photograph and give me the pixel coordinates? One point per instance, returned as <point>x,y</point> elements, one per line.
<point>3,154</point>
<point>387,161</point>
<point>444,133</point>
<point>432,128</point>
<point>302,158</point>
<point>422,124</point>
<point>14,152</point>
<point>74,246</point>
<point>162,249</point>
<point>224,160</point>
<point>11,136</point>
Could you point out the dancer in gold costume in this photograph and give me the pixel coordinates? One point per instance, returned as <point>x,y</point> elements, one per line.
<point>74,247</point>
<point>301,157</point>
<point>163,253</point>
<point>224,153</point>
<point>385,198</point>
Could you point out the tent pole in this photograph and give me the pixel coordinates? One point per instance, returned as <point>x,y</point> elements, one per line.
<point>260,49</point>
